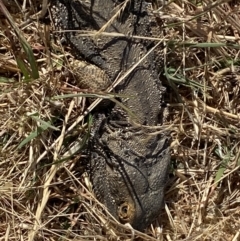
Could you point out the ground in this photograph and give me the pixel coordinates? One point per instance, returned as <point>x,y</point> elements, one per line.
<point>45,193</point>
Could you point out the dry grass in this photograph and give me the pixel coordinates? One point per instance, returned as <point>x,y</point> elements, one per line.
<point>44,191</point>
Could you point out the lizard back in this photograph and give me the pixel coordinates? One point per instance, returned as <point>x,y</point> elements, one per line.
<point>129,161</point>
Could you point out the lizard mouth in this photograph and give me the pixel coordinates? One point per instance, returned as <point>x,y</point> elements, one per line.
<point>126,212</point>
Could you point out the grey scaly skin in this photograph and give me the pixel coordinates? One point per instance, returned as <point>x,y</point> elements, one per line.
<point>129,161</point>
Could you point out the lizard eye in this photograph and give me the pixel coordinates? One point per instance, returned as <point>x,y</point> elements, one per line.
<point>125,212</point>
<point>125,209</point>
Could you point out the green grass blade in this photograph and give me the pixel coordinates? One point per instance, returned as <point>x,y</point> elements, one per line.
<point>223,165</point>
<point>33,135</point>
<point>26,47</point>
<point>47,124</point>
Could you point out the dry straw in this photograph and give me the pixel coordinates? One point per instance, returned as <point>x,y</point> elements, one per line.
<point>45,194</point>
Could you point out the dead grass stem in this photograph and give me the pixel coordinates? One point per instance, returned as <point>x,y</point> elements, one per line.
<point>45,194</point>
